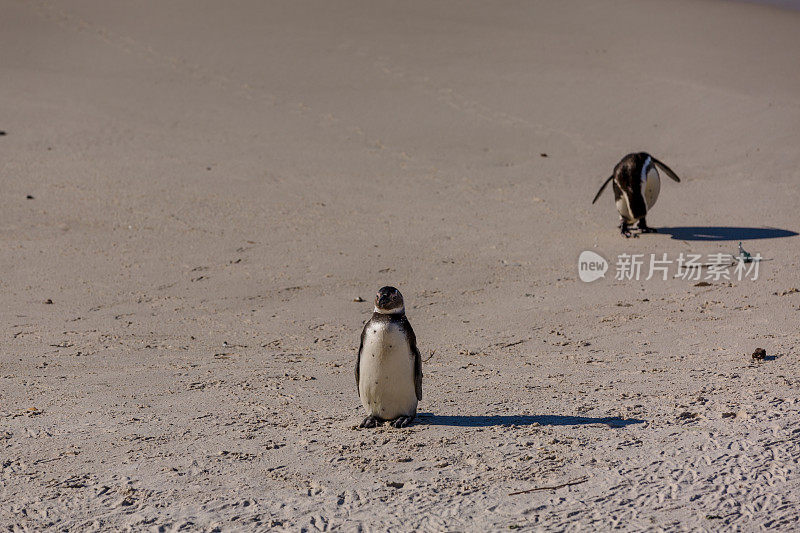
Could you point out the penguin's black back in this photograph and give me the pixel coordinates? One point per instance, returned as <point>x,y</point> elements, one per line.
<point>628,182</point>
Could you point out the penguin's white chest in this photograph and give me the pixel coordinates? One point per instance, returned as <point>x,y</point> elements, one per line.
<point>651,186</point>
<point>386,373</point>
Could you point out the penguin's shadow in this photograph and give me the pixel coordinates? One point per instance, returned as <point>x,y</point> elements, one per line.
<point>767,358</point>
<point>724,233</point>
<point>430,419</point>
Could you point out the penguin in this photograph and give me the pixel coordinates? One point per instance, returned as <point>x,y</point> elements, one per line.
<point>636,186</point>
<point>389,367</point>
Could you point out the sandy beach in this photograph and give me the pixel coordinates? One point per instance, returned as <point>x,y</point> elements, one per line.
<point>200,200</point>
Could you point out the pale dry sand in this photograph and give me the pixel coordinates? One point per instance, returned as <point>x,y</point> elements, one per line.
<point>214,183</point>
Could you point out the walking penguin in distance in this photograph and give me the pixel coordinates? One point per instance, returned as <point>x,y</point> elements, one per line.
<point>636,186</point>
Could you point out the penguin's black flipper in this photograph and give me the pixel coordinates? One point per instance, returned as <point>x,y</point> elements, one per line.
<point>668,171</point>
<point>358,360</point>
<point>417,373</point>
<point>602,188</point>
<point>412,341</point>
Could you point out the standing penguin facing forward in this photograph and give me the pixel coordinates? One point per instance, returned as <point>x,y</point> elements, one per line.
<point>389,367</point>
<point>636,185</point>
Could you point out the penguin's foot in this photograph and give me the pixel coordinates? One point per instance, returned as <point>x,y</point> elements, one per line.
<point>370,422</point>
<point>644,228</point>
<point>625,230</point>
<point>402,421</point>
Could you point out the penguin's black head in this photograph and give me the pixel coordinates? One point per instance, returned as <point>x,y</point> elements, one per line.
<point>389,301</point>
